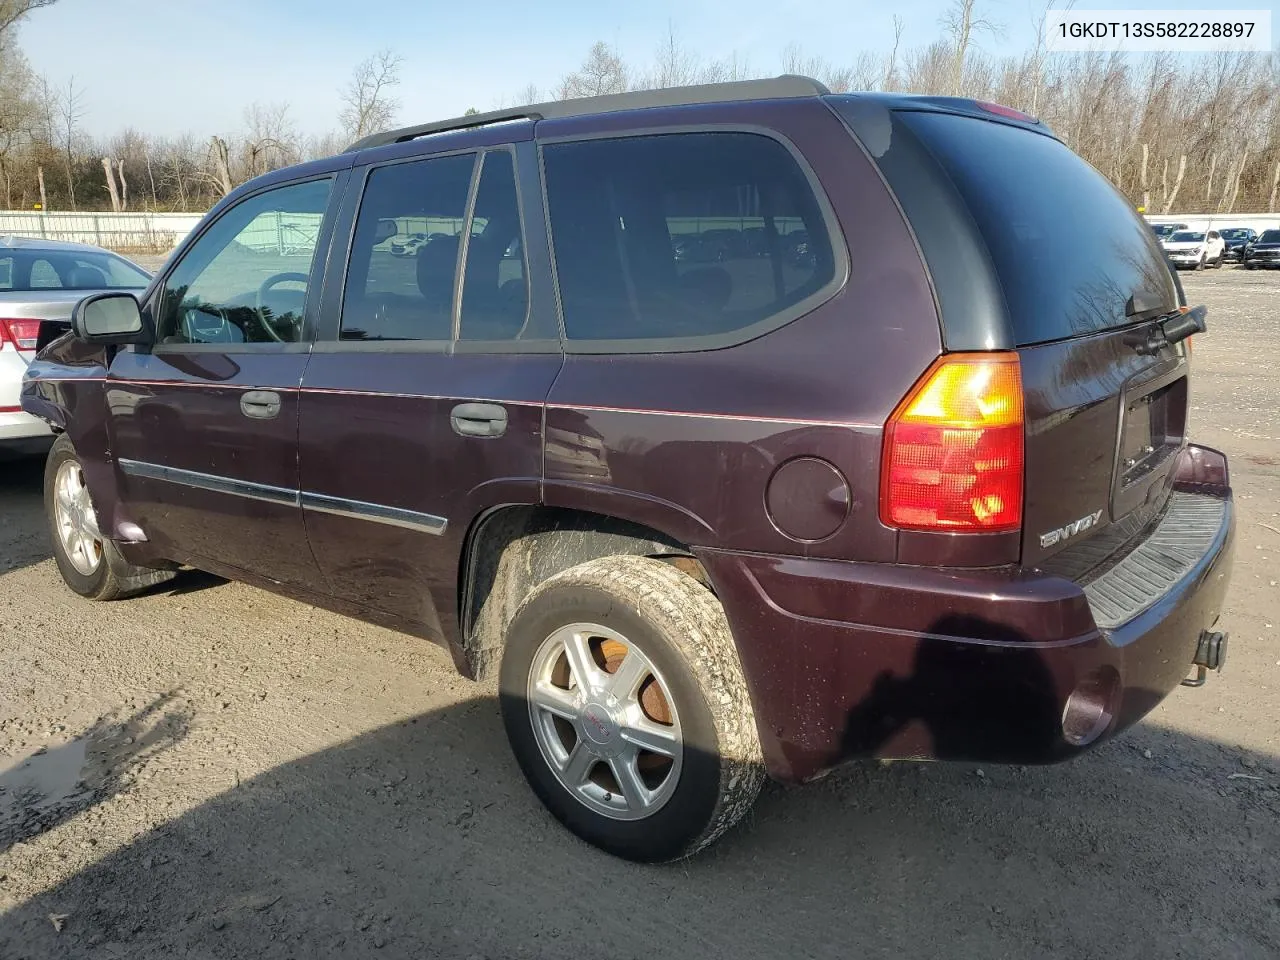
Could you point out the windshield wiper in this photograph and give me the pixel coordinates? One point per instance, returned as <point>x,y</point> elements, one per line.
<point>1169,329</point>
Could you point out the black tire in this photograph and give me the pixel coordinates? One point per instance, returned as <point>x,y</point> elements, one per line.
<point>1217,264</point>
<point>1200,265</point>
<point>113,577</point>
<point>680,627</point>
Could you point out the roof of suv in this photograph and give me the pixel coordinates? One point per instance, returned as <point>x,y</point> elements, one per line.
<point>787,86</point>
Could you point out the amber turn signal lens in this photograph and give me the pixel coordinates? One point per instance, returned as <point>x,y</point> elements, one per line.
<point>953,449</point>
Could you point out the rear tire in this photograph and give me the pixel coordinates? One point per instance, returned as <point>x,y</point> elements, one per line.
<point>90,564</point>
<point>575,752</point>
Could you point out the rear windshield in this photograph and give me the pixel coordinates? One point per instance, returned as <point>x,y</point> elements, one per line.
<point>36,269</point>
<point>1069,251</point>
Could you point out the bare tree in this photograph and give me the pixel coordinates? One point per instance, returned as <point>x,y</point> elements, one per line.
<point>70,112</point>
<point>367,104</point>
<point>12,12</point>
<point>220,155</point>
<point>891,61</point>
<point>271,141</point>
<point>108,166</point>
<point>601,73</point>
<point>962,23</point>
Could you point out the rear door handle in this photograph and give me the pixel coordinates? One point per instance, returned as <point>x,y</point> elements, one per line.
<point>260,404</point>
<point>479,420</point>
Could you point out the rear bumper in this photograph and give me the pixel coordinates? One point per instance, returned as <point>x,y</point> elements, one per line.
<point>16,425</point>
<point>981,665</point>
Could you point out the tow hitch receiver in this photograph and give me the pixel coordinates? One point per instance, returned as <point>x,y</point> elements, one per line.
<point>1211,654</point>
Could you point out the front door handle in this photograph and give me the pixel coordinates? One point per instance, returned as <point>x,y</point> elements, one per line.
<point>260,404</point>
<point>479,420</point>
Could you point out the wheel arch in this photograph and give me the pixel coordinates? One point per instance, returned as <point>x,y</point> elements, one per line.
<point>511,549</point>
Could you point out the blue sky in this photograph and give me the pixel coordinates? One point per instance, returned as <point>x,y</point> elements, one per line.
<point>169,66</point>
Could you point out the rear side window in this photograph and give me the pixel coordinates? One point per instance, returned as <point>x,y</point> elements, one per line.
<point>404,256</point>
<point>683,236</point>
<point>1067,248</point>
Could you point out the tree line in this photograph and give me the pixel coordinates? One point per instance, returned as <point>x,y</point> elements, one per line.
<point>1175,133</point>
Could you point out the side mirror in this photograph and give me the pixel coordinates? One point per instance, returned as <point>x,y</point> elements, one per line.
<point>385,230</point>
<point>109,318</point>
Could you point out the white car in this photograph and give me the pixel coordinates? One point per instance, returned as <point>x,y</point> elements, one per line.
<point>1193,248</point>
<point>43,280</point>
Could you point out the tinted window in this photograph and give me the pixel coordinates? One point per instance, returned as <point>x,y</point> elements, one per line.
<point>495,297</point>
<point>245,279</point>
<point>681,235</point>
<point>1270,236</point>
<point>1186,236</point>
<point>1068,249</point>
<point>404,256</point>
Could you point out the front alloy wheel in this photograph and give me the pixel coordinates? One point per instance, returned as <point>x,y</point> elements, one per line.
<point>74,520</point>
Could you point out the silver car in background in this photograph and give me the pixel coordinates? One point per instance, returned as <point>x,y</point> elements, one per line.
<point>43,280</point>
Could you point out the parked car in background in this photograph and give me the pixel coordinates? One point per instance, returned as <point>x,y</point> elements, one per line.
<point>1236,239</point>
<point>1163,230</point>
<point>1263,253</point>
<point>1192,248</point>
<point>41,280</point>
<point>705,515</point>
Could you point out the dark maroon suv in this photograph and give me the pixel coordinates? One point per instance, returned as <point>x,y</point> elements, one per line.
<point>734,429</point>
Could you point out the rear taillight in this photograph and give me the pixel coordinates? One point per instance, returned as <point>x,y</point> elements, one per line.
<point>953,448</point>
<point>23,334</point>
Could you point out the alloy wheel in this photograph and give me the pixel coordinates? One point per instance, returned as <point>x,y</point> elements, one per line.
<point>605,722</point>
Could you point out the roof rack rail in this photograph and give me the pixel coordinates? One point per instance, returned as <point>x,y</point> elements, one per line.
<point>787,86</point>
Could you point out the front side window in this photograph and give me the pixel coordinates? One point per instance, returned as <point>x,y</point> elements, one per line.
<point>682,235</point>
<point>245,279</point>
<point>404,257</point>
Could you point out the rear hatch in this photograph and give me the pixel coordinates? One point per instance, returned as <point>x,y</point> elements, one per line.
<point>1063,270</point>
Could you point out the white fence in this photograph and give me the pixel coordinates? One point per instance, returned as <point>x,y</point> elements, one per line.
<point>1219,221</point>
<point>126,231</point>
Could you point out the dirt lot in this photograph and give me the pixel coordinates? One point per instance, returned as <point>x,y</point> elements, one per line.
<point>211,771</point>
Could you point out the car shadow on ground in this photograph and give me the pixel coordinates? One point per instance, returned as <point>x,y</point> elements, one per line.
<point>421,840</point>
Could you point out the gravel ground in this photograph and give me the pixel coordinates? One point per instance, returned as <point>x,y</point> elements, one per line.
<point>212,771</point>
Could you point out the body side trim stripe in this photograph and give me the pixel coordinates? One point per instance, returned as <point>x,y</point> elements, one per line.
<point>338,506</point>
<point>375,512</point>
<point>209,481</point>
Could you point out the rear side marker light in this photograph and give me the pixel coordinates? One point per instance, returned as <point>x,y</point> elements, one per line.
<point>23,334</point>
<point>953,448</point>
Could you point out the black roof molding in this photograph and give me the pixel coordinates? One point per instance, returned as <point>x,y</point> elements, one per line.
<point>787,86</point>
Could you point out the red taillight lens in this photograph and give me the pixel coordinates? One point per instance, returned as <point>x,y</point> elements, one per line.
<point>1000,110</point>
<point>953,448</point>
<point>23,334</point>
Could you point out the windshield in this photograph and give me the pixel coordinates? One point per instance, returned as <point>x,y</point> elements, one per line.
<point>1186,236</point>
<point>29,270</point>
<point>1235,233</point>
<point>1162,229</point>
<point>1270,236</point>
